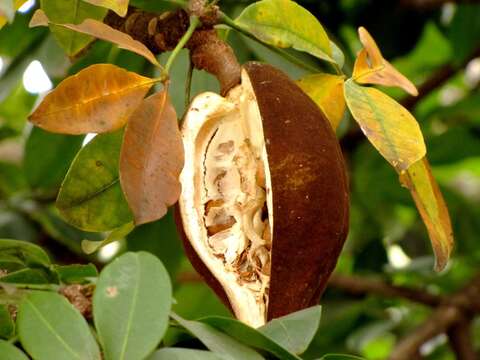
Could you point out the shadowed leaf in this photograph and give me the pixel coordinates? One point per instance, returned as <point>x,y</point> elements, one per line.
<point>371,68</point>
<point>102,31</point>
<point>90,197</point>
<point>10,352</point>
<point>98,99</point>
<point>327,92</point>
<point>89,246</point>
<point>183,354</point>
<point>284,24</point>
<point>419,180</point>
<point>389,126</point>
<point>119,6</point>
<point>72,12</point>
<point>151,159</point>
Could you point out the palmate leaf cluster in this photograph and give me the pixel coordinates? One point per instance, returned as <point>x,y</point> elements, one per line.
<point>387,235</point>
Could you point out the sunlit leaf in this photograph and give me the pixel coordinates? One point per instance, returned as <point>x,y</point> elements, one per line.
<point>49,327</point>
<point>10,352</point>
<point>389,126</point>
<point>90,197</point>
<point>431,205</point>
<point>217,341</point>
<point>151,159</point>
<point>371,68</point>
<point>89,246</point>
<point>102,31</point>
<point>98,99</point>
<point>119,6</point>
<point>7,10</point>
<point>327,92</point>
<point>284,24</point>
<point>131,304</point>
<point>72,12</point>
<point>294,331</point>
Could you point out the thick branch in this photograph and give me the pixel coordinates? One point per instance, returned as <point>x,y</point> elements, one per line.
<point>357,285</point>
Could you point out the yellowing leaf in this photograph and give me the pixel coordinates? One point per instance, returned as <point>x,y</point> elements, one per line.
<point>388,125</point>
<point>371,68</point>
<point>433,210</point>
<point>119,6</point>
<point>284,24</point>
<point>100,31</point>
<point>98,99</point>
<point>327,92</point>
<point>72,12</point>
<point>151,159</point>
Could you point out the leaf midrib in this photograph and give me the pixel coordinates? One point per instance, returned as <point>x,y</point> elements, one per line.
<point>89,197</point>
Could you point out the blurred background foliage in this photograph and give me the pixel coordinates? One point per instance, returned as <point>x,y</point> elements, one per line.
<point>436,43</point>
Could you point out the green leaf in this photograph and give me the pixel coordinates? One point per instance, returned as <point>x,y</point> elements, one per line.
<point>10,352</point>
<point>249,336</point>
<point>284,24</point>
<point>90,197</point>
<point>49,327</point>
<point>464,30</point>
<point>71,12</point>
<point>27,276</point>
<point>12,179</point>
<point>294,331</point>
<point>390,127</point>
<point>89,246</point>
<point>29,254</point>
<point>340,357</point>
<point>14,111</point>
<point>135,285</point>
<point>74,274</point>
<point>46,172</point>
<point>218,342</point>
<point>7,326</point>
<point>183,354</point>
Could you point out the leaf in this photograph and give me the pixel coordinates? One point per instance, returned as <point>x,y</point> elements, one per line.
<point>89,247</point>
<point>218,342</point>
<point>12,180</point>
<point>463,31</point>
<point>389,126</point>
<point>98,99</point>
<point>151,159</point>
<point>294,331</point>
<point>77,273</point>
<point>27,276</point>
<point>49,327</point>
<point>327,92</point>
<point>249,336</point>
<point>7,326</point>
<point>29,254</point>
<point>371,68</point>
<point>73,12</point>
<point>135,285</point>
<point>284,24</point>
<point>10,352</point>
<point>433,210</point>
<point>102,31</point>
<point>46,172</point>
<point>119,6</point>
<point>14,110</point>
<point>340,357</point>
<point>183,354</point>
<point>90,197</point>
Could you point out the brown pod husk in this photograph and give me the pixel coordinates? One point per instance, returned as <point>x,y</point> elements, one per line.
<point>264,203</point>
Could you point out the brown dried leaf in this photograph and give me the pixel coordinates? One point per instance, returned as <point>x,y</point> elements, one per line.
<point>419,180</point>
<point>371,68</point>
<point>151,159</point>
<point>98,99</point>
<point>101,31</point>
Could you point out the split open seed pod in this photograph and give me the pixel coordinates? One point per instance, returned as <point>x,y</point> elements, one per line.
<point>264,203</point>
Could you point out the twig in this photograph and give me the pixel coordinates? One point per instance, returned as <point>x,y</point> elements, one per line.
<point>357,285</point>
<point>460,338</point>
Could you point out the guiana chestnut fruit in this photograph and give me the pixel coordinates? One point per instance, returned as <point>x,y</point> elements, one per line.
<point>264,202</point>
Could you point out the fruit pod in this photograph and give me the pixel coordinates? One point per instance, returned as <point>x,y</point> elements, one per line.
<point>264,203</point>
